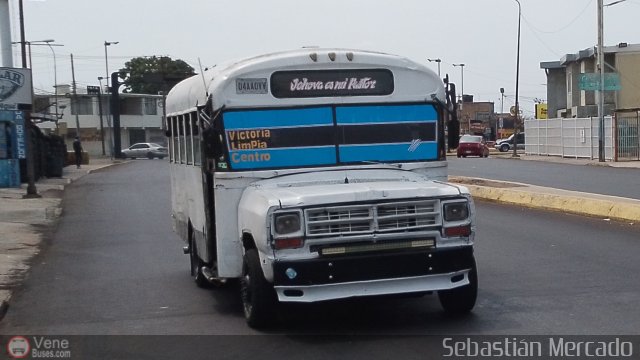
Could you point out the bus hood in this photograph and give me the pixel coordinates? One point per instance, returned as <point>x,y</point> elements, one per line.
<point>331,187</point>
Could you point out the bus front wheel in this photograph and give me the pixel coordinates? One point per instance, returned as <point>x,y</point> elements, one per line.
<point>258,296</point>
<point>461,300</point>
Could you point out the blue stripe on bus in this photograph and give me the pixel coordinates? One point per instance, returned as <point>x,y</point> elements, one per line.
<point>389,152</point>
<point>259,119</point>
<point>280,158</point>
<point>385,114</point>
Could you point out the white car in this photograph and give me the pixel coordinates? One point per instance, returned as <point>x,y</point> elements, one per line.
<point>148,150</point>
<point>504,145</point>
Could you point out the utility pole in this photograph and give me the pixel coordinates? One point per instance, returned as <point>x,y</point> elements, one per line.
<point>32,191</point>
<point>100,112</point>
<point>517,120</point>
<point>601,156</point>
<point>75,97</point>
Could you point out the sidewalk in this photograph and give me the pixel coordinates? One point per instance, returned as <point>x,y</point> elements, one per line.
<point>23,222</point>
<point>608,207</point>
<point>565,160</point>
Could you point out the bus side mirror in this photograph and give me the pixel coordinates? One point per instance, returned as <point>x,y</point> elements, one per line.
<point>214,142</point>
<point>167,133</point>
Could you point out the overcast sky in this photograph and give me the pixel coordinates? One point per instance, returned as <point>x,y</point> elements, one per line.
<point>482,34</point>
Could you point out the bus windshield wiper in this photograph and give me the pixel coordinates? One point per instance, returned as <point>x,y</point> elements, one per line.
<point>370,162</point>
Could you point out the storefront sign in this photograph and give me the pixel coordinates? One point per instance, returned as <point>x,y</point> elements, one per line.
<point>15,88</point>
<point>323,83</point>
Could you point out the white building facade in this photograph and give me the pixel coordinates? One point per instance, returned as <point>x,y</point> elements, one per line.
<point>88,116</point>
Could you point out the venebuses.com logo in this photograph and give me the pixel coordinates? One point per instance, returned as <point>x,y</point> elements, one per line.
<point>38,347</point>
<point>18,347</point>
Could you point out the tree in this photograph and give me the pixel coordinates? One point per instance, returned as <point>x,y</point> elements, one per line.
<point>152,74</point>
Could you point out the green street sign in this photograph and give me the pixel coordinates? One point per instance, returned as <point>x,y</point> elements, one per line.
<point>591,81</point>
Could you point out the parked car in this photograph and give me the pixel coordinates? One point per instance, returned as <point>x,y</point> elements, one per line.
<point>472,145</point>
<point>148,150</point>
<point>507,144</point>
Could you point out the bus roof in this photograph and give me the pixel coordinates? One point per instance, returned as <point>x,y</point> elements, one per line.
<point>249,82</point>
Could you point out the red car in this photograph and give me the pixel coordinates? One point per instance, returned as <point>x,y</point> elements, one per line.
<point>472,145</point>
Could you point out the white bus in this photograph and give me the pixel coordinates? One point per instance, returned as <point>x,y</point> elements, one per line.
<point>320,174</point>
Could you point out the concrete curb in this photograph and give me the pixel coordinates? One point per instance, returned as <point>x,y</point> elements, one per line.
<point>611,207</point>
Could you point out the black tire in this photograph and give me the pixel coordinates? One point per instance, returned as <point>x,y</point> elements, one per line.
<point>461,300</point>
<point>458,156</point>
<point>149,156</point>
<point>196,266</point>
<point>258,296</point>
<point>160,157</point>
<point>504,147</point>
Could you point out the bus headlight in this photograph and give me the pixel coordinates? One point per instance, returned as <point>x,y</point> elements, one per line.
<point>456,211</point>
<point>287,223</point>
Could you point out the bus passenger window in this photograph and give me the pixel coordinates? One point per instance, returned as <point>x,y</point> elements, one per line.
<point>188,139</point>
<point>197,156</point>
<point>183,141</point>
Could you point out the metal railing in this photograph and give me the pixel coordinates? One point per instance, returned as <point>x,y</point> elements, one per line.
<point>627,140</point>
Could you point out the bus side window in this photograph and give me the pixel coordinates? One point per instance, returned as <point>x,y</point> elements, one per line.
<point>182,140</point>
<point>175,144</point>
<point>188,139</point>
<point>197,156</point>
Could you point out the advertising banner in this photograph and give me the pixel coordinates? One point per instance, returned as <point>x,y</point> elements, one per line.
<point>16,136</point>
<point>541,111</point>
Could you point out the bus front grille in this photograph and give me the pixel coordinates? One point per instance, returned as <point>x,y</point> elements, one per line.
<point>395,217</point>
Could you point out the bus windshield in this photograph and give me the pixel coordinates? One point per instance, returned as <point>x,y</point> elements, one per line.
<point>330,135</point>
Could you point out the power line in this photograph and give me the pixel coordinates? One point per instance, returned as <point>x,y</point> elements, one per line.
<point>568,24</point>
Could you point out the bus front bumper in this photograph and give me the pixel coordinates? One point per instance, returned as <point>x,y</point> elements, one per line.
<point>385,274</point>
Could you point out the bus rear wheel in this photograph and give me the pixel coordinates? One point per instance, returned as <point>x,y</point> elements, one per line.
<point>258,296</point>
<point>196,266</point>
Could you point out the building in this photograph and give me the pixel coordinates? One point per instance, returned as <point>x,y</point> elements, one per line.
<point>140,119</point>
<point>565,94</point>
<point>477,118</point>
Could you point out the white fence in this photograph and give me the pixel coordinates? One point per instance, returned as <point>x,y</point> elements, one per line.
<point>572,137</point>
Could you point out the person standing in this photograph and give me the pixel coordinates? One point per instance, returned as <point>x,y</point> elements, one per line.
<point>77,148</point>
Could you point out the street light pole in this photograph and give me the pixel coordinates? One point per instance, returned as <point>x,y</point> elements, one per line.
<point>108,109</point>
<point>515,125</point>
<point>438,61</point>
<point>55,78</point>
<point>48,42</point>
<point>501,110</point>
<point>106,58</point>
<point>462,92</point>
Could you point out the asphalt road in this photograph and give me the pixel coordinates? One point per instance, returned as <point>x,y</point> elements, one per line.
<point>592,179</point>
<point>114,267</point>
